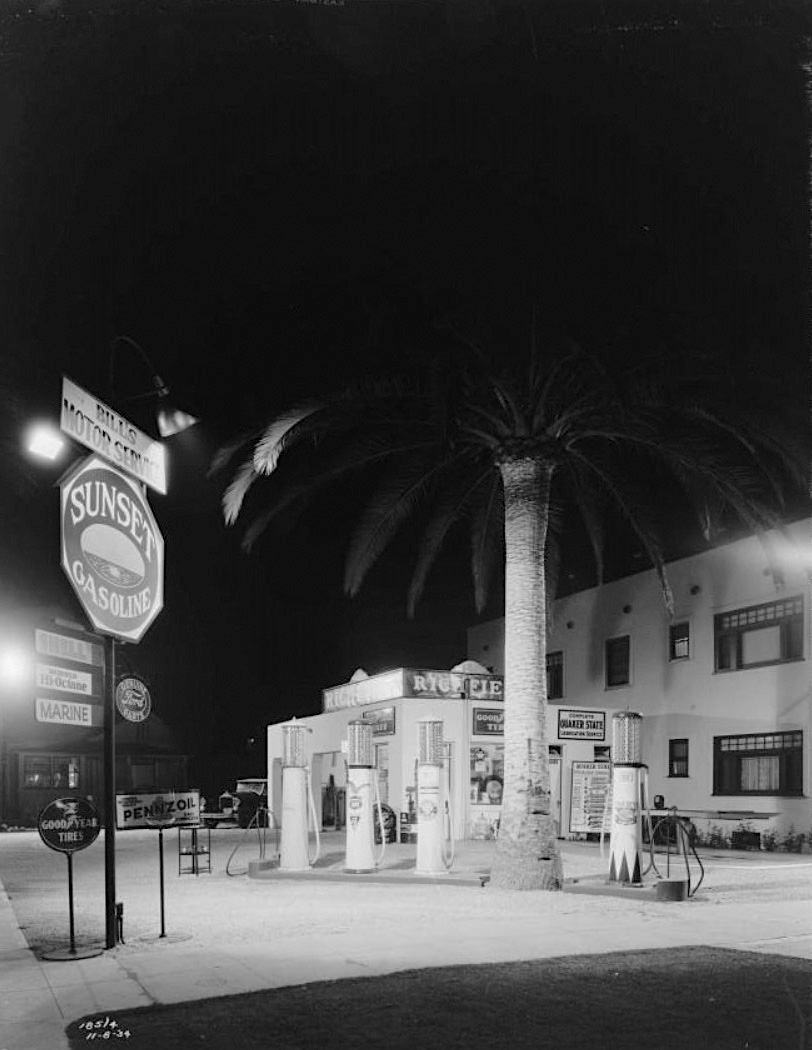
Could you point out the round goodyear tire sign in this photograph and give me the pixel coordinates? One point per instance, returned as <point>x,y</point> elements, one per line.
<point>68,824</point>
<point>112,549</point>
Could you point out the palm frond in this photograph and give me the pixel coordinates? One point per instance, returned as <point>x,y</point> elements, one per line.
<point>237,490</point>
<point>279,434</point>
<point>224,455</point>
<point>449,509</point>
<point>487,540</point>
<point>394,501</point>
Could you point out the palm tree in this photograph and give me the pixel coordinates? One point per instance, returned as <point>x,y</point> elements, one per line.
<point>503,449</point>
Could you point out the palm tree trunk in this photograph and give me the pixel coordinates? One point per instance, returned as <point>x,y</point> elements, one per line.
<point>527,856</point>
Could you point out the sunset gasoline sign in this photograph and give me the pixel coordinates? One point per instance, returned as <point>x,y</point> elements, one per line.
<point>112,549</point>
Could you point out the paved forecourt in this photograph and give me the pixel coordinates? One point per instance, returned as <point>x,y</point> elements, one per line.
<point>231,935</point>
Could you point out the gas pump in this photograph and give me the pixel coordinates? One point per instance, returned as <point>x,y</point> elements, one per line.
<point>433,813</point>
<point>362,784</point>
<point>627,771</point>
<point>297,802</point>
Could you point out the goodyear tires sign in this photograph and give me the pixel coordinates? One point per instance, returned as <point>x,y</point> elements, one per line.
<point>112,549</point>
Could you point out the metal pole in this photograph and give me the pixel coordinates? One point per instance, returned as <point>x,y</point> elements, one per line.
<point>70,903</point>
<point>110,794</point>
<point>161,862</point>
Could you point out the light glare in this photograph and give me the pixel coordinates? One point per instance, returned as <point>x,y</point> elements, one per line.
<point>44,441</point>
<point>14,666</point>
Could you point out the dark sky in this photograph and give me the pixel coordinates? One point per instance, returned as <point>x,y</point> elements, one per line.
<point>271,197</point>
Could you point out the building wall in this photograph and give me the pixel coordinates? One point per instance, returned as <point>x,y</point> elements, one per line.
<point>327,731</point>
<point>687,698</point>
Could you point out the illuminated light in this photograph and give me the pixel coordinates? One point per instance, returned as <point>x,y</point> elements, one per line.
<point>15,666</point>
<point>45,441</point>
<point>174,421</point>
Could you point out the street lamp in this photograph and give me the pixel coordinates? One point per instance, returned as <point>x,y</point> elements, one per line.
<point>44,440</point>
<point>170,419</point>
<point>15,668</point>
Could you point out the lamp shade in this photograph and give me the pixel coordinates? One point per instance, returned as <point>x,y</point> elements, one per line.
<point>172,420</point>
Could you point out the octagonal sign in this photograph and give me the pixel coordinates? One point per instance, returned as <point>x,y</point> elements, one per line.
<point>112,549</point>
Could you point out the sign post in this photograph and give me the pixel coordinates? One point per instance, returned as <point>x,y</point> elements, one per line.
<point>173,809</point>
<point>68,825</point>
<point>113,556</point>
<point>161,818</point>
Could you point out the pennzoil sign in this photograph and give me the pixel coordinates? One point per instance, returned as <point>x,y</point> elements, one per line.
<point>112,549</point>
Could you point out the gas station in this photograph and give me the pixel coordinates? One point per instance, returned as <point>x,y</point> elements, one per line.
<point>393,752</point>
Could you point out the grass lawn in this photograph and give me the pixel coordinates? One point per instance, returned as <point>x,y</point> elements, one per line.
<point>696,998</point>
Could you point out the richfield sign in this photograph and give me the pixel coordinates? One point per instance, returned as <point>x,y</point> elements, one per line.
<point>406,682</point>
<point>112,549</point>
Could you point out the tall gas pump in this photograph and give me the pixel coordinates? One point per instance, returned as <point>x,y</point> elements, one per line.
<point>294,846</point>
<point>432,806</point>
<point>627,772</point>
<point>361,785</point>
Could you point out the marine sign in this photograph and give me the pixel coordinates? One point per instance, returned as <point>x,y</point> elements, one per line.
<point>65,694</point>
<point>112,549</point>
<point>96,426</point>
<point>68,824</point>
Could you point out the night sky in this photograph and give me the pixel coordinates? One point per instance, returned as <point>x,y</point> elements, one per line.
<point>271,198</point>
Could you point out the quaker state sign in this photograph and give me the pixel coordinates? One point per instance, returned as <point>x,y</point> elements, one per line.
<point>112,549</point>
<point>68,824</point>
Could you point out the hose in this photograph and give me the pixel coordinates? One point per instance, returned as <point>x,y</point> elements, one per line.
<point>683,843</point>
<point>261,820</point>
<point>379,809</point>
<point>448,858</point>
<point>315,821</point>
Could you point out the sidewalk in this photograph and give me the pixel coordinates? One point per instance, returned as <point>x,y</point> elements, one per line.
<point>326,925</point>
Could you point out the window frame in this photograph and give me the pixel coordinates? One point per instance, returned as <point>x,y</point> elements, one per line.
<point>675,759</point>
<point>56,764</point>
<point>758,617</point>
<point>627,638</point>
<point>790,773</point>
<point>558,669</point>
<point>672,627</point>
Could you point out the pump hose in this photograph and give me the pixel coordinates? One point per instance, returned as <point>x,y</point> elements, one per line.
<point>315,821</point>
<point>683,844</point>
<point>379,808</point>
<point>448,858</point>
<point>260,820</point>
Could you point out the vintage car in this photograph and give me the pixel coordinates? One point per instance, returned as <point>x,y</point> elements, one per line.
<point>240,806</point>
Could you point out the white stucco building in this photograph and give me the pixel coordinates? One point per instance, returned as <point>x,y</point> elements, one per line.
<point>723,687</point>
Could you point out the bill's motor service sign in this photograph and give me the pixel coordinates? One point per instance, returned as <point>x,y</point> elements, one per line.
<point>112,549</point>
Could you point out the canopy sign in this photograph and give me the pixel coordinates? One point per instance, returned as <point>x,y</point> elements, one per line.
<point>96,426</point>
<point>112,550</point>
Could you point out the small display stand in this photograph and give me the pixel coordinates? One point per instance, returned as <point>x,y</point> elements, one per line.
<point>194,851</point>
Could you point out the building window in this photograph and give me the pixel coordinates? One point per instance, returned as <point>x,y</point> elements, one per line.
<point>555,675</point>
<point>678,758</point>
<point>759,635</point>
<point>50,771</point>
<point>618,661</point>
<point>758,764</point>
<point>487,774</point>
<point>679,641</point>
